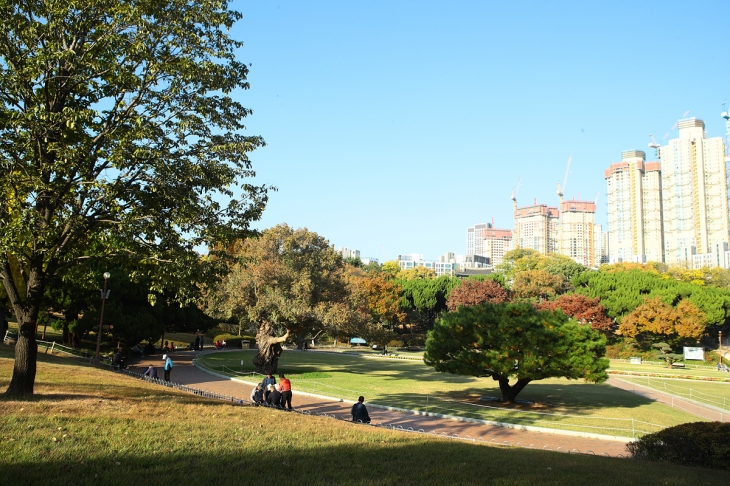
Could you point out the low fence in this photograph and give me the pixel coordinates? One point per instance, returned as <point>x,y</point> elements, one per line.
<point>434,405</point>
<point>399,428</point>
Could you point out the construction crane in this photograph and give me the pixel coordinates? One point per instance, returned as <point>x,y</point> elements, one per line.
<point>656,146</point>
<point>560,190</point>
<point>385,255</point>
<point>514,193</point>
<point>726,115</point>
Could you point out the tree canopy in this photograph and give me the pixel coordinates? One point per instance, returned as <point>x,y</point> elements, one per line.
<point>474,292</point>
<point>289,282</point>
<point>515,340</point>
<point>118,135</point>
<point>583,309</point>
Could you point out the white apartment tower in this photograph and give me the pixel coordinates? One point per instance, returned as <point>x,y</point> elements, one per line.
<point>474,238</point>
<point>600,249</point>
<point>536,227</point>
<point>634,209</point>
<point>694,196</point>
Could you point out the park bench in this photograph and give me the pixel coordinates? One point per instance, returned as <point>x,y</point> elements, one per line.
<point>678,365</point>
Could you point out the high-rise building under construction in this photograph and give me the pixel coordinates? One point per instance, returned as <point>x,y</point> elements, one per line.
<point>634,193</point>
<point>694,197</point>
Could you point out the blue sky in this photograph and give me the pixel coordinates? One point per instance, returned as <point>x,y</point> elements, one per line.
<point>400,123</point>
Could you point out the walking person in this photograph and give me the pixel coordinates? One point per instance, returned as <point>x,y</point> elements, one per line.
<point>360,412</point>
<point>197,343</point>
<point>168,366</point>
<point>285,387</point>
<point>202,342</point>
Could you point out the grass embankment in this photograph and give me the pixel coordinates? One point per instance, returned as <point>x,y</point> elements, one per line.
<point>560,403</point>
<point>113,429</point>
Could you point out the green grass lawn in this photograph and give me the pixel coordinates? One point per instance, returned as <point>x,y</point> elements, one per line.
<point>87,426</point>
<point>663,369</point>
<point>559,403</point>
<point>712,393</point>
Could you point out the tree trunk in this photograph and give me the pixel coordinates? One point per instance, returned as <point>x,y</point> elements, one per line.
<point>267,358</point>
<point>26,351</point>
<point>510,392</point>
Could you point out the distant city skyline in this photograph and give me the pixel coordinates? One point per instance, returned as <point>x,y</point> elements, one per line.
<point>393,126</point>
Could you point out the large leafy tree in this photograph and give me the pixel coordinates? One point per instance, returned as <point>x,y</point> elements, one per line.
<point>118,136</point>
<point>424,299</point>
<point>583,309</point>
<point>290,283</point>
<point>656,320</point>
<point>515,340</point>
<point>474,292</point>
<point>620,292</point>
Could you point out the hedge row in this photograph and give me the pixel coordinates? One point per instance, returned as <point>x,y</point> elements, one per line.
<point>700,444</point>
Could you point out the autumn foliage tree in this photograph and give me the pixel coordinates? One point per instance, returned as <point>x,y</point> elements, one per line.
<point>655,318</point>
<point>583,309</point>
<point>474,292</point>
<point>537,284</point>
<point>377,300</point>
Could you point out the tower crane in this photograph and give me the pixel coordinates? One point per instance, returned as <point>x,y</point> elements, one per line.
<point>726,115</point>
<point>656,146</point>
<point>560,190</point>
<point>514,193</point>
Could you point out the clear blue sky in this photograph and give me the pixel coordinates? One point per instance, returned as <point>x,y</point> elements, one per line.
<point>400,123</point>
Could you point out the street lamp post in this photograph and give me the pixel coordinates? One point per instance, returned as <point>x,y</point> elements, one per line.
<point>101,318</point>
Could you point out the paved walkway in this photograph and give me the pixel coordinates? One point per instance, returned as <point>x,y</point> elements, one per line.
<point>185,373</point>
<point>689,406</point>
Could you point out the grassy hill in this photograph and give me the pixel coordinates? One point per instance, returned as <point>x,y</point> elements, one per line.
<point>90,426</point>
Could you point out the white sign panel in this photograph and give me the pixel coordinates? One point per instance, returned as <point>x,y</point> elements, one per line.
<point>694,353</point>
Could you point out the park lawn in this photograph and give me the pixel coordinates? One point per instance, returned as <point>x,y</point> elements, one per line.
<point>113,429</point>
<point>560,403</point>
<point>663,369</point>
<point>713,393</point>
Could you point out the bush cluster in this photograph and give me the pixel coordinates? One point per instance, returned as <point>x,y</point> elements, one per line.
<point>700,444</point>
<point>232,341</point>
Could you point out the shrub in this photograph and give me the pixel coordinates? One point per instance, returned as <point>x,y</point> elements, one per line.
<point>232,341</point>
<point>395,343</point>
<point>701,444</point>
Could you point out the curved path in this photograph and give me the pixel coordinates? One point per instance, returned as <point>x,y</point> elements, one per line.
<point>185,373</point>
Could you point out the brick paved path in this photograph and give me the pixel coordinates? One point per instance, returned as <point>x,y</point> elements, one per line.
<point>185,373</point>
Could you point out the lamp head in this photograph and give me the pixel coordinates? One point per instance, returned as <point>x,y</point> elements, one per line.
<point>107,275</point>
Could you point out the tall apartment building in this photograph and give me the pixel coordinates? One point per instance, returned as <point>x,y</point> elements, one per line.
<point>474,238</point>
<point>634,209</point>
<point>495,243</point>
<point>536,227</point>
<point>600,248</point>
<point>348,253</point>
<point>576,231</point>
<point>694,196</point>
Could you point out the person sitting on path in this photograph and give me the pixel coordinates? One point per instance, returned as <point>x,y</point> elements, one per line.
<point>138,349</point>
<point>151,372</point>
<point>119,360</point>
<point>285,391</point>
<point>168,366</point>
<point>274,399</point>
<point>257,395</point>
<point>360,412</point>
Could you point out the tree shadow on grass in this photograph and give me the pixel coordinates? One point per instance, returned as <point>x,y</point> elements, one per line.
<point>378,458</point>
